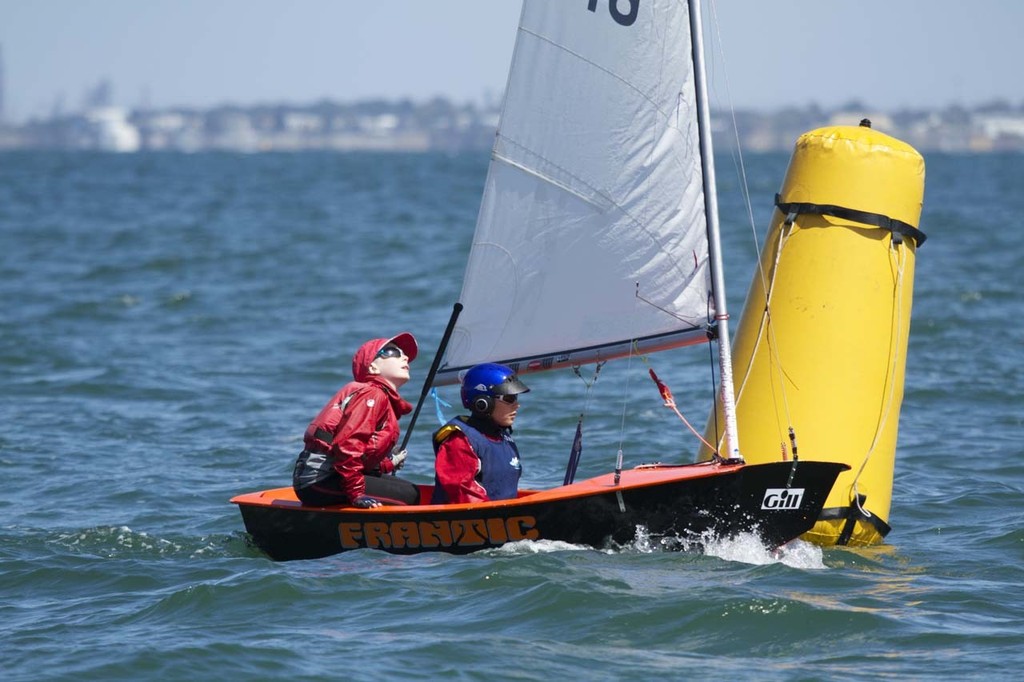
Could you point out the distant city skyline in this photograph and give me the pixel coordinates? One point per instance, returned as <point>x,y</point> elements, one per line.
<point>888,54</point>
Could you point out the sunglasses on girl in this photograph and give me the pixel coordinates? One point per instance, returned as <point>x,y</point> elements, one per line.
<point>510,399</point>
<point>390,351</point>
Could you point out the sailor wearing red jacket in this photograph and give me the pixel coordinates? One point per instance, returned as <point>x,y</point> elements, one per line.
<point>476,457</point>
<point>348,445</point>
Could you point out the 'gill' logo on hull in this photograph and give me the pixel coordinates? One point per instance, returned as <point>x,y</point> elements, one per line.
<point>782,498</point>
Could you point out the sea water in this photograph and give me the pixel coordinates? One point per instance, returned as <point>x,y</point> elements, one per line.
<point>170,323</point>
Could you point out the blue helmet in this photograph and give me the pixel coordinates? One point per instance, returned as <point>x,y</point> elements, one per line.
<point>483,383</point>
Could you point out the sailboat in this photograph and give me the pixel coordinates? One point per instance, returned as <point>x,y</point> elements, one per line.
<point>597,239</point>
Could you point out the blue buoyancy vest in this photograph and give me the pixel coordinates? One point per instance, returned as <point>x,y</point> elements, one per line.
<point>500,468</point>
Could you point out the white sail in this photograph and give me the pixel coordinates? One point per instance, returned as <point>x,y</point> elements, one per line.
<point>592,232</point>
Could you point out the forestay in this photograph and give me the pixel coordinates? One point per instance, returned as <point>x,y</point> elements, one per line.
<point>593,195</point>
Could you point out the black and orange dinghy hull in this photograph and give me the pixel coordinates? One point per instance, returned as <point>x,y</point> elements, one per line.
<point>777,501</point>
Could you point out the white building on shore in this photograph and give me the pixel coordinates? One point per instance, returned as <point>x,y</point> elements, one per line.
<point>110,130</point>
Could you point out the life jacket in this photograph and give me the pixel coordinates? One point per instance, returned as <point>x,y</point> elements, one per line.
<point>500,468</point>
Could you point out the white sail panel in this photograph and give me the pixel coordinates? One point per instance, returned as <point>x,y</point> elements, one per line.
<point>594,190</point>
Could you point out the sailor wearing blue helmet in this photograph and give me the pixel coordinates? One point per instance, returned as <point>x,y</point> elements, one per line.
<point>476,458</point>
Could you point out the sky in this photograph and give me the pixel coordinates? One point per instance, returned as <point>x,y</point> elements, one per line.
<point>886,54</point>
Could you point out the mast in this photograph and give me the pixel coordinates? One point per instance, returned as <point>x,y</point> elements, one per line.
<point>732,441</point>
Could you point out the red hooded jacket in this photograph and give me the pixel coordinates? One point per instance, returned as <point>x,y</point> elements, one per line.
<point>363,416</point>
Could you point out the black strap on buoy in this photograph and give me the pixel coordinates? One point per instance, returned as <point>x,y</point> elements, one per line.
<point>850,516</point>
<point>898,228</point>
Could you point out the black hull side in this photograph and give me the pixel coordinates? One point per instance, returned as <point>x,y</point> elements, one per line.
<point>731,501</point>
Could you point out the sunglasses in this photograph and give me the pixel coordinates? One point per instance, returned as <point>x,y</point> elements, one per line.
<point>510,399</point>
<point>390,351</point>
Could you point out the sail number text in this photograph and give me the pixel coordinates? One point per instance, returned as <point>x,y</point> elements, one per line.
<point>620,17</point>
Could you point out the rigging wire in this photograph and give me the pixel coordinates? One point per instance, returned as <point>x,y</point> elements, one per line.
<point>766,333</point>
<point>898,260</point>
<point>625,395</point>
<point>737,150</point>
<point>666,393</point>
<point>738,161</point>
<point>719,436</point>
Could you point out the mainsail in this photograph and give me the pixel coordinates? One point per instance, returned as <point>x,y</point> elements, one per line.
<point>592,236</point>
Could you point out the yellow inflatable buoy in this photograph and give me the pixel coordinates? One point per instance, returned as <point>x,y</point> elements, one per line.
<point>821,345</point>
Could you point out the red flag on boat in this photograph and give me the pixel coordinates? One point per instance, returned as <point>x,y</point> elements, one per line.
<point>666,394</point>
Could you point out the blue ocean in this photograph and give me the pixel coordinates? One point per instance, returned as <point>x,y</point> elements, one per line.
<point>170,323</point>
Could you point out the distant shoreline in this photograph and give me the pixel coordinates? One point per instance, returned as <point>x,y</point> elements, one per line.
<point>441,125</point>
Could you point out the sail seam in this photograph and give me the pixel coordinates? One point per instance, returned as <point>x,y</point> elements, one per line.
<point>610,203</point>
<point>597,66</point>
<point>551,181</point>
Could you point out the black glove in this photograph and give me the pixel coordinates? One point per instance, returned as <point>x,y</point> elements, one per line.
<point>366,502</point>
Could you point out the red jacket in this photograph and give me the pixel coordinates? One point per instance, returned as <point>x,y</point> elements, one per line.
<point>455,469</point>
<point>363,416</point>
